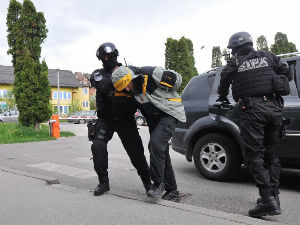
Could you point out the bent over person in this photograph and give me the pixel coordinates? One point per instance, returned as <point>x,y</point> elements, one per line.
<point>257,79</point>
<point>154,88</point>
<point>115,111</point>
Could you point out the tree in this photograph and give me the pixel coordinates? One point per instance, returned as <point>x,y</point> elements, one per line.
<point>262,43</point>
<point>26,32</point>
<point>282,45</point>
<point>75,107</point>
<point>24,88</point>
<point>93,103</point>
<point>226,54</point>
<point>216,57</point>
<point>179,56</point>
<point>12,19</point>
<point>43,95</point>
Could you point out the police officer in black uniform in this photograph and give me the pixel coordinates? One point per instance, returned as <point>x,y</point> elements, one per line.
<point>252,75</point>
<point>115,111</point>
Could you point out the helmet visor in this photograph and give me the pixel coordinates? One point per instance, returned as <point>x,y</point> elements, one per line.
<point>104,52</point>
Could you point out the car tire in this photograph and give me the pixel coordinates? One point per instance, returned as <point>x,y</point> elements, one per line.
<point>81,121</point>
<point>217,157</point>
<point>140,121</point>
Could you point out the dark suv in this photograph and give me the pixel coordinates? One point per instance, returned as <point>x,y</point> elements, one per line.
<point>211,135</point>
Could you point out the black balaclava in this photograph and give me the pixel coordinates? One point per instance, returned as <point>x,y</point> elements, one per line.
<point>243,49</point>
<point>111,62</point>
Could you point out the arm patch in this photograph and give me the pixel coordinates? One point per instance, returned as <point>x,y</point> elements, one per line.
<point>168,79</point>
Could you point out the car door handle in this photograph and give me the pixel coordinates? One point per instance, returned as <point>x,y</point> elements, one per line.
<point>223,106</point>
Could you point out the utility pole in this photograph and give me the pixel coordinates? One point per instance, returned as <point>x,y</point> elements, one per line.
<point>58,94</point>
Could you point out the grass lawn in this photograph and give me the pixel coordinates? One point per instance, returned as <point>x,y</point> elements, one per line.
<point>15,133</point>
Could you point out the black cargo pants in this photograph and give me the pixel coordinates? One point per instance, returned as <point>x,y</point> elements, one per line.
<point>160,162</point>
<point>127,131</point>
<point>260,123</point>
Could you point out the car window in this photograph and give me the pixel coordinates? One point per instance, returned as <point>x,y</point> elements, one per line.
<point>217,82</point>
<point>294,91</point>
<point>90,112</point>
<point>82,113</point>
<point>211,79</point>
<point>197,88</point>
<point>297,76</point>
<point>7,113</point>
<point>75,114</point>
<point>14,113</point>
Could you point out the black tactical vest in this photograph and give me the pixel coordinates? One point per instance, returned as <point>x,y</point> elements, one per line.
<point>114,104</point>
<point>254,75</point>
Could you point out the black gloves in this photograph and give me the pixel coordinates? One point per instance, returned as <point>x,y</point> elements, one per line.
<point>93,82</point>
<point>223,99</point>
<point>96,76</point>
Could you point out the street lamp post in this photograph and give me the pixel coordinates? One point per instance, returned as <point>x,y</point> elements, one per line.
<point>58,99</point>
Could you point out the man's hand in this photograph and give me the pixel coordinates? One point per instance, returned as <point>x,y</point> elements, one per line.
<point>223,99</point>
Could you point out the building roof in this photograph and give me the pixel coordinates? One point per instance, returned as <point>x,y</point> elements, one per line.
<point>83,79</point>
<point>66,77</point>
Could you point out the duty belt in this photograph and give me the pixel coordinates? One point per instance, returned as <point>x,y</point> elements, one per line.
<point>264,98</point>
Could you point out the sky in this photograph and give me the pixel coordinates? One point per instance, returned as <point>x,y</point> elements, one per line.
<point>140,28</point>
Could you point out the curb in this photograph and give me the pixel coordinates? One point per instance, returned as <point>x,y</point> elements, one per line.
<point>195,209</point>
<point>179,206</point>
<point>175,205</point>
<point>49,180</point>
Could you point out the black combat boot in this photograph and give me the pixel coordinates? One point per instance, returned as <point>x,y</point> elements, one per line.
<point>171,196</point>
<point>268,207</point>
<point>101,189</point>
<point>260,200</point>
<point>156,190</point>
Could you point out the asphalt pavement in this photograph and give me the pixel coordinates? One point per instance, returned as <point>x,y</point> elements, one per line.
<point>29,200</point>
<point>67,161</point>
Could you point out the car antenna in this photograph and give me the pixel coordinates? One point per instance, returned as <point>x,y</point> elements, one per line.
<point>125,61</point>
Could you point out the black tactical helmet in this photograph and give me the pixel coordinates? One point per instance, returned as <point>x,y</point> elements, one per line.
<point>239,39</point>
<point>106,48</point>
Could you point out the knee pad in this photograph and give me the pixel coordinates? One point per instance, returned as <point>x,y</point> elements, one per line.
<point>103,135</point>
